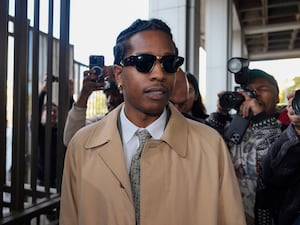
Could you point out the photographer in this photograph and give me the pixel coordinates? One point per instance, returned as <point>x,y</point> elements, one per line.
<point>77,115</point>
<point>262,128</point>
<point>281,170</point>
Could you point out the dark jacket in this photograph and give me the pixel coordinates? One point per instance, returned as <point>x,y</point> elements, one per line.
<point>281,176</point>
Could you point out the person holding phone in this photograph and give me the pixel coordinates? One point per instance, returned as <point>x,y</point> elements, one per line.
<point>144,162</point>
<point>76,118</point>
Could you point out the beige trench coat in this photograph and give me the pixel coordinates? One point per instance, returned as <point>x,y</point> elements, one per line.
<point>186,178</point>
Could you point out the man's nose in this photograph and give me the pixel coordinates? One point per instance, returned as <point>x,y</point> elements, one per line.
<point>158,71</point>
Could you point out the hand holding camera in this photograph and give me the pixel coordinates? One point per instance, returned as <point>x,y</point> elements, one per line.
<point>233,100</point>
<point>295,95</point>
<point>250,106</point>
<point>94,79</point>
<point>240,101</point>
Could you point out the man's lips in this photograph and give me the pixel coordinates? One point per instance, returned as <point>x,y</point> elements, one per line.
<point>156,93</point>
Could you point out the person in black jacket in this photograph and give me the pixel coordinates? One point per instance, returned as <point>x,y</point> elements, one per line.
<point>281,173</point>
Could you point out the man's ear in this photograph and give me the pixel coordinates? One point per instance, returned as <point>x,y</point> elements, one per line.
<point>118,75</point>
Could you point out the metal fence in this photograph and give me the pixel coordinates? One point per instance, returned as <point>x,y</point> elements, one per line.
<point>27,54</point>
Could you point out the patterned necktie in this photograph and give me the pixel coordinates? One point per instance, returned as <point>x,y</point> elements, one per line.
<point>134,173</point>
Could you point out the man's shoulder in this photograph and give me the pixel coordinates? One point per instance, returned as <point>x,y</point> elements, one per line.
<point>101,124</point>
<point>189,116</point>
<point>194,125</point>
<point>96,134</point>
<point>202,131</point>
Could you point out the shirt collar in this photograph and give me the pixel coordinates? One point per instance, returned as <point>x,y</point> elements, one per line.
<point>156,128</point>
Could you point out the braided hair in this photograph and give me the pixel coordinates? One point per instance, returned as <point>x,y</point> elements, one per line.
<point>122,43</point>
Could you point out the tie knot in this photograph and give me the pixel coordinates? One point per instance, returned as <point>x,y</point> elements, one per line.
<point>143,135</point>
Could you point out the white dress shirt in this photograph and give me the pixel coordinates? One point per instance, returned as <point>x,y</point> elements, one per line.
<point>130,140</point>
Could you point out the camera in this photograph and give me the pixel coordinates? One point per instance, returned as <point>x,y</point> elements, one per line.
<point>240,68</point>
<point>296,103</point>
<point>96,62</point>
<point>233,100</point>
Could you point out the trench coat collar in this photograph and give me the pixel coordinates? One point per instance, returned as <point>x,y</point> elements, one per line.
<point>175,133</point>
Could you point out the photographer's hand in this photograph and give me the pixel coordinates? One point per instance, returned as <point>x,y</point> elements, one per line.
<point>290,96</point>
<point>251,106</point>
<point>108,73</point>
<point>89,85</point>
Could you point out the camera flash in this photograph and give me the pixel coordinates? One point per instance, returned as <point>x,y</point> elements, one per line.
<point>234,65</point>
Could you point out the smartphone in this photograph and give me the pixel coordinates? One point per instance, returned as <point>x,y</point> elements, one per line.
<point>96,62</point>
<point>236,129</point>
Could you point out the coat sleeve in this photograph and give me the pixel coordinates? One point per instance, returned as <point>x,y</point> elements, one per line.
<point>69,204</point>
<point>231,206</point>
<point>75,120</point>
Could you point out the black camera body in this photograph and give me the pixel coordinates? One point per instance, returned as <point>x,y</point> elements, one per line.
<point>233,100</point>
<point>96,62</point>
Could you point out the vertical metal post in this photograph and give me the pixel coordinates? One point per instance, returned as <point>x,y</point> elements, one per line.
<point>35,102</point>
<point>193,35</point>
<point>20,103</point>
<point>3,77</point>
<point>64,70</point>
<point>48,138</point>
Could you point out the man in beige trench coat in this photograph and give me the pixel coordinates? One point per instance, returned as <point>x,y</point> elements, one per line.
<point>186,175</point>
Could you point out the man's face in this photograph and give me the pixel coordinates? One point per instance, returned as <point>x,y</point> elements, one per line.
<point>266,93</point>
<point>146,93</point>
<point>179,95</point>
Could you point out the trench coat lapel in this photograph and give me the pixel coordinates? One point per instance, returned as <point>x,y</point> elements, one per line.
<point>114,159</point>
<point>109,148</point>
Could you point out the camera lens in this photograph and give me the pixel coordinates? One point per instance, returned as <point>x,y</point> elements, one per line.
<point>98,70</point>
<point>231,100</point>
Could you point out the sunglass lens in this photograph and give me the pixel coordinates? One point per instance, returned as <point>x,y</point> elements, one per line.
<point>170,63</point>
<point>144,63</point>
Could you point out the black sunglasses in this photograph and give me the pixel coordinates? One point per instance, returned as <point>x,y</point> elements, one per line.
<point>144,63</point>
